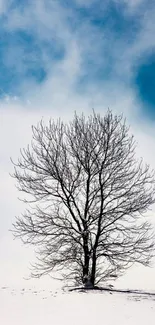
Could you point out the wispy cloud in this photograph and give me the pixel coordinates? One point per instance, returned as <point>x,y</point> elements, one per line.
<point>85,45</point>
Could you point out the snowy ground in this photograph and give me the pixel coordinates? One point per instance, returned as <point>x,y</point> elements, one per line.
<point>46,305</point>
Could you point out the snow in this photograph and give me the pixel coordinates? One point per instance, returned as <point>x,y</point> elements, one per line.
<point>41,304</point>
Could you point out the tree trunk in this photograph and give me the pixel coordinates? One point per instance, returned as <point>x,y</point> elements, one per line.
<point>85,271</point>
<point>86,260</point>
<point>93,272</point>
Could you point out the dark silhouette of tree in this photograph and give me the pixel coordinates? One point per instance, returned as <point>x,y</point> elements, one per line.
<point>88,196</point>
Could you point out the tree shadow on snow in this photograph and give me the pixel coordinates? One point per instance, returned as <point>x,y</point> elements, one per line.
<point>133,294</point>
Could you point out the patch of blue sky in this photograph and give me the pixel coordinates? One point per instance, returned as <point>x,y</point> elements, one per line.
<point>20,4</point>
<point>112,28</point>
<point>109,15</point>
<point>22,58</point>
<point>145,84</point>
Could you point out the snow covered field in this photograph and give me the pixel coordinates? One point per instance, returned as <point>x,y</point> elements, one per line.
<point>45,305</point>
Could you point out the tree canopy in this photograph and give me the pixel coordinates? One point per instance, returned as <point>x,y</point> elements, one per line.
<point>87,196</point>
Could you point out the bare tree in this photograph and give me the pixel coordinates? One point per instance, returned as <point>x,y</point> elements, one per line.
<point>88,196</point>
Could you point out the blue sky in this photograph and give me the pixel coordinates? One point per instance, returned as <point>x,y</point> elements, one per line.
<point>113,40</point>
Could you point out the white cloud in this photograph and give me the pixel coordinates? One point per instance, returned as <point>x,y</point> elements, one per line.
<point>132,5</point>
